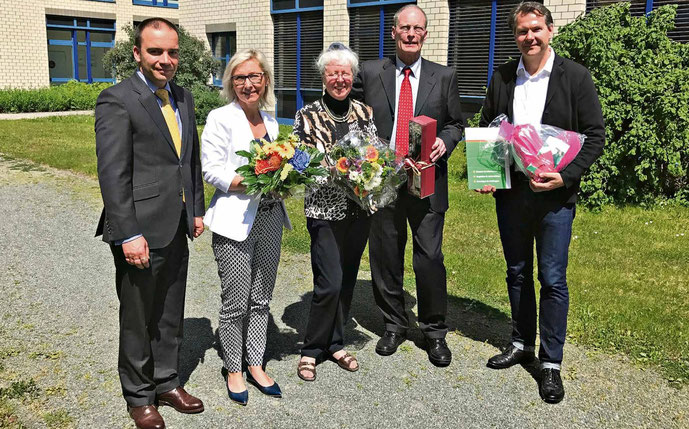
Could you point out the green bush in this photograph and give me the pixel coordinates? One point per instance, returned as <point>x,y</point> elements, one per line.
<point>206,99</point>
<point>196,64</point>
<point>72,95</point>
<point>642,77</point>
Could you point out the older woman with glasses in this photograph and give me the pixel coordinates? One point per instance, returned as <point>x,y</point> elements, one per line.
<point>338,227</point>
<point>247,229</point>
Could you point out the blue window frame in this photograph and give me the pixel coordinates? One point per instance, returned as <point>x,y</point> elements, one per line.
<point>479,41</point>
<point>644,7</point>
<point>298,40</point>
<point>370,24</point>
<point>223,46</point>
<point>76,47</point>
<point>174,4</point>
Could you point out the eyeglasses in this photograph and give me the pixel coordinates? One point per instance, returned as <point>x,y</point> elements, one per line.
<point>240,79</point>
<point>343,75</point>
<point>408,29</point>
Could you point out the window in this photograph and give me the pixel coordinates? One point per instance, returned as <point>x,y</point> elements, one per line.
<point>370,24</point>
<point>76,47</point>
<point>298,40</point>
<point>223,46</point>
<point>479,41</point>
<point>641,7</point>
<point>158,3</point>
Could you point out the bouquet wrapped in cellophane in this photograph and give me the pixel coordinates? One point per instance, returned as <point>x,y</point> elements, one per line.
<point>539,149</point>
<point>276,168</point>
<point>367,169</point>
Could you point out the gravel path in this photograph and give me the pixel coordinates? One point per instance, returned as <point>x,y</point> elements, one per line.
<point>34,115</point>
<point>58,327</point>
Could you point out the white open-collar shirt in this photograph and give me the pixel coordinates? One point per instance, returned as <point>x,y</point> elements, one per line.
<point>413,80</point>
<point>530,92</point>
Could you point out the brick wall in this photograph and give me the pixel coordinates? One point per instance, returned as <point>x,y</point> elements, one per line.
<point>23,37</point>
<point>251,19</point>
<point>565,11</point>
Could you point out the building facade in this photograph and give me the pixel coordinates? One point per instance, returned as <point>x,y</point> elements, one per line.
<point>45,42</point>
<point>42,44</point>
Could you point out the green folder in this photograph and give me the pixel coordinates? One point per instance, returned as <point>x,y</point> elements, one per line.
<point>487,160</point>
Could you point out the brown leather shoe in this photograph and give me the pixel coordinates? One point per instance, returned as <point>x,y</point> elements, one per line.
<point>147,417</point>
<point>181,401</point>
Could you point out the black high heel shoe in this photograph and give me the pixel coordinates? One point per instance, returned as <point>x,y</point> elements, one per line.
<point>241,398</point>
<point>273,390</point>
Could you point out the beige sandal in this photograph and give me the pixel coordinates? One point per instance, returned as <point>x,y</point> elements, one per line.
<point>345,362</point>
<point>304,367</point>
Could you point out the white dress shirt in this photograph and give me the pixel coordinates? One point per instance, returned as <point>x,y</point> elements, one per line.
<point>413,80</point>
<point>530,93</point>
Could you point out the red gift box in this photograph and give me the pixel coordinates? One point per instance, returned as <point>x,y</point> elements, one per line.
<point>420,169</point>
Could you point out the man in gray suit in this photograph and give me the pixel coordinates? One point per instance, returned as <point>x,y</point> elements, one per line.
<point>397,89</point>
<point>149,171</point>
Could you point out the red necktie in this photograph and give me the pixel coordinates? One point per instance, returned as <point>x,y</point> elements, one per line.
<point>405,111</point>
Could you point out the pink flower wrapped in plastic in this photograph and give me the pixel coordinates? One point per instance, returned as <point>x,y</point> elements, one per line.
<point>539,149</point>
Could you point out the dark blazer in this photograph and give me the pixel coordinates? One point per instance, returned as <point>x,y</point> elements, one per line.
<point>571,103</point>
<point>141,177</point>
<point>438,98</point>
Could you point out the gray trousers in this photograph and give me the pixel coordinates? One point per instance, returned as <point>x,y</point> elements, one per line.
<point>247,271</point>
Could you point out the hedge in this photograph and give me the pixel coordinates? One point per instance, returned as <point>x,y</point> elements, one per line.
<point>72,95</point>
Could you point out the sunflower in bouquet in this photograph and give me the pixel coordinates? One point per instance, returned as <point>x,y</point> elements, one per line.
<point>367,170</point>
<point>276,168</point>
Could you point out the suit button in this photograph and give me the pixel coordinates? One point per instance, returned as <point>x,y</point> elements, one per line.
<point>181,192</point>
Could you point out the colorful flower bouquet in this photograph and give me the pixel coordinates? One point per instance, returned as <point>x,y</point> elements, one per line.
<point>367,170</point>
<point>276,168</point>
<point>542,149</point>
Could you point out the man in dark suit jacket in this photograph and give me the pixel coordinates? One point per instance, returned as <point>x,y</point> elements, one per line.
<point>541,88</point>
<point>149,171</point>
<point>434,93</point>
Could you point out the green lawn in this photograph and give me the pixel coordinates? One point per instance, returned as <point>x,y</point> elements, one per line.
<point>628,281</point>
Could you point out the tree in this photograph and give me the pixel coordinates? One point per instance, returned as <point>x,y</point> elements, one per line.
<point>196,64</point>
<point>642,77</point>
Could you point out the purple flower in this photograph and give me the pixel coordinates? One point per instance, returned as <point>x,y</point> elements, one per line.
<point>300,160</point>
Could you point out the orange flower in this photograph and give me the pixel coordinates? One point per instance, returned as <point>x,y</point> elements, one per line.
<point>275,161</point>
<point>262,166</point>
<point>360,193</point>
<point>267,165</point>
<point>371,153</point>
<point>342,165</point>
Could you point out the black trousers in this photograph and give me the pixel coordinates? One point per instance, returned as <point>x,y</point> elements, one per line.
<point>387,240</point>
<point>151,319</point>
<point>336,249</point>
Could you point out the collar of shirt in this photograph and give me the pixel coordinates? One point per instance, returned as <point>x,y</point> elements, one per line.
<point>154,88</point>
<point>151,85</point>
<point>547,69</point>
<point>415,67</point>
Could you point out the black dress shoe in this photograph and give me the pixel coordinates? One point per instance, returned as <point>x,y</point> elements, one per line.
<point>438,352</point>
<point>511,356</point>
<point>550,388</point>
<point>389,342</point>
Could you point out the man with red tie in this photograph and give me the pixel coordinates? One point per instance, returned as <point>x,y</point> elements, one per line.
<point>398,89</point>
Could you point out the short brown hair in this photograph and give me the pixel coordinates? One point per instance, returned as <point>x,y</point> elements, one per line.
<point>152,22</point>
<point>529,7</point>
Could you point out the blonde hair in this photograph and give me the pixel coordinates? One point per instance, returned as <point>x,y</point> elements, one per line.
<point>267,101</point>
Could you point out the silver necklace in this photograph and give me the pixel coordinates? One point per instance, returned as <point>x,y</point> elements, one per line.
<point>335,117</point>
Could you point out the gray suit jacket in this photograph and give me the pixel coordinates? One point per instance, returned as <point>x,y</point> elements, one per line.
<point>438,98</point>
<point>141,177</point>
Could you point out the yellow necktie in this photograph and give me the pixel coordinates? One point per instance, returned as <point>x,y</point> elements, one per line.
<point>170,120</point>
